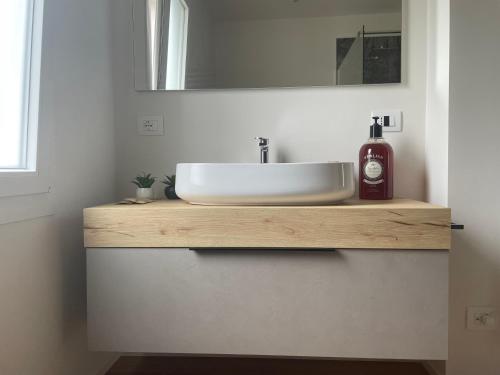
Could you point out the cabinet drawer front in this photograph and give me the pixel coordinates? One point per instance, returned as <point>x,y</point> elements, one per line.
<point>350,304</point>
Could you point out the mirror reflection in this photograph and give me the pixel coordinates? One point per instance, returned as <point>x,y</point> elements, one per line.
<point>230,44</point>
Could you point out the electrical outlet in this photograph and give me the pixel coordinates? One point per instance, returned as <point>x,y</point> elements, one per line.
<point>482,318</point>
<point>391,120</point>
<point>150,125</point>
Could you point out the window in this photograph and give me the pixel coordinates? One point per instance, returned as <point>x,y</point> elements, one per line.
<point>24,144</point>
<point>166,32</point>
<point>177,45</point>
<point>20,33</point>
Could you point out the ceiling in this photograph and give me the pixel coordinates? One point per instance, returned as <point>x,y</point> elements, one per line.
<point>270,9</point>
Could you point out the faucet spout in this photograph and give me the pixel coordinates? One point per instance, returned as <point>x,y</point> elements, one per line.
<point>264,149</point>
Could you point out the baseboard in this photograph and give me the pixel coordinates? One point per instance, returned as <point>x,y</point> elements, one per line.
<point>129,365</point>
<point>108,365</point>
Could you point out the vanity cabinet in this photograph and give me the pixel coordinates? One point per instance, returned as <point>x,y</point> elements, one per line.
<point>349,303</point>
<point>317,302</point>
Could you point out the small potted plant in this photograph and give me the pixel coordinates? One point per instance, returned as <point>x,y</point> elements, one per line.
<point>144,183</point>
<point>169,182</point>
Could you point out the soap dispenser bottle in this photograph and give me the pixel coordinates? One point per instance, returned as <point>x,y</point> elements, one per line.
<point>376,166</point>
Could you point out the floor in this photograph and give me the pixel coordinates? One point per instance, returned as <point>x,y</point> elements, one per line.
<point>257,366</point>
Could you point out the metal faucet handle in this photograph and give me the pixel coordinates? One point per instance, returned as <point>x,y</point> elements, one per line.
<point>262,141</point>
<point>264,149</point>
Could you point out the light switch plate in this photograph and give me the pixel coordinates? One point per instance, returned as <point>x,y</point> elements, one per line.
<point>394,119</point>
<point>482,318</point>
<point>150,125</point>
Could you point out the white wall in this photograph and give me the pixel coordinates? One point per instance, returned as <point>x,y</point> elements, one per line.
<point>474,181</point>
<point>42,262</point>
<point>274,60</point>
<point>438,87</point>
<point>304,124</point>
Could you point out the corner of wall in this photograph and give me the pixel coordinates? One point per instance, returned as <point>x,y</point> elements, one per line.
<point>437,105</point>
<point>435,367</point>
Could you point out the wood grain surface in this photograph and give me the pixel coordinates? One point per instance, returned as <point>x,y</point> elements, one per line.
<point>396,224</point>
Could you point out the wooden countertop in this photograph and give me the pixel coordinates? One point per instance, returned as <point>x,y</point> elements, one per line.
<point>396,224</point>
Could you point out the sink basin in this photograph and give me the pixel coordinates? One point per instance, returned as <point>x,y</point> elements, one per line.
<point>265,184</point>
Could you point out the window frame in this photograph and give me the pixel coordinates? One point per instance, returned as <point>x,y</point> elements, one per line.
<point>32,184</point>
<point>181,54</point>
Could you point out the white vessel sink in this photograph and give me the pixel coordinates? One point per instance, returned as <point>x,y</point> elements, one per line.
<point>265,184</point>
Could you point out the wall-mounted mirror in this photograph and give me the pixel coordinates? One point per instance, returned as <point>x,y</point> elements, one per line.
<point>228,44</point>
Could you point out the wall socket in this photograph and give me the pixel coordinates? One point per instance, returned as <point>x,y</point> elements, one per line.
<point>482,318</point>
<point>150,125</point>
<point>391,120</point>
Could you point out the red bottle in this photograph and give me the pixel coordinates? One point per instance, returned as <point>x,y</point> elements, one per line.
<point>376,166</point>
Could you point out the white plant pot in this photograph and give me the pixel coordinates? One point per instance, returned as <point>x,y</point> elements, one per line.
<point>144,193</point>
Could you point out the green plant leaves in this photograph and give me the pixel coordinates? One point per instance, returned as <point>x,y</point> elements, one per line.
<point>169,180</point>
<point>144,181</point>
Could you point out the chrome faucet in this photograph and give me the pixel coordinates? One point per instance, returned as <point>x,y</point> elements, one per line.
<point>264,149</point>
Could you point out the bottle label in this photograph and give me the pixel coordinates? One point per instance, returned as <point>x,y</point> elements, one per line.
<point>373,171</point>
